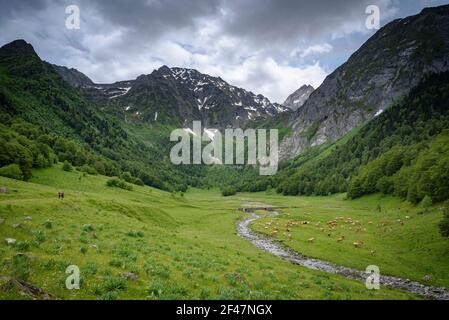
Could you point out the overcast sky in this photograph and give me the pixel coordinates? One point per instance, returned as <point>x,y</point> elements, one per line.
<point>270,47</point>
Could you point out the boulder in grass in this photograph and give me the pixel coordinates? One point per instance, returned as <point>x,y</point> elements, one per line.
<point>10,241</point>
<point>23,288</point>
<point>28,218</point>
<point>15,225</point>
<point>129,276</point>
<point>2,220</point>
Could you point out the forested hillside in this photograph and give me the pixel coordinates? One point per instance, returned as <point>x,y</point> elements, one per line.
<point>45,120</point>
<point>39,108</point>
<point>384,69</point>
<point>402,151</point>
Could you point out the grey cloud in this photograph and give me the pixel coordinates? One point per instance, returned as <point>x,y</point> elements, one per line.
<point>248,42</point>
<point>153,17</point>
<point>12,8</point>
<point>273,21</point>
<point>257,23</point>
<point>260,22</point>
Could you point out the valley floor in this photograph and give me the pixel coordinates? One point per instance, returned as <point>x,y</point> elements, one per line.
<point>173,246</point>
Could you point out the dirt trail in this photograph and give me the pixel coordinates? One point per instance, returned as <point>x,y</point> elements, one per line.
<point>264,243</point>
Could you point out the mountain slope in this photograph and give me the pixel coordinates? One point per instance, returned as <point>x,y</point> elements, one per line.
<point>73,76</point>
<point>297,99</point>
<point>390,145</point>
<point>384,69</point>
<point>32,90</point>
<point>33,94</point>
<point>178,96</point>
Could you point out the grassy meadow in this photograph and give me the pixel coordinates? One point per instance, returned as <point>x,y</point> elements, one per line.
<point>185,246</point>
<point>403,240</point>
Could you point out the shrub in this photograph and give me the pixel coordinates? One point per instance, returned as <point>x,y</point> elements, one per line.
<point>23,246</point>
<point>124,250</point>
<point>127,177</point>
<point>116,263</point>
<point>234,278</point>
<point>161,271</point>
<point>113,283</point>
<point>229,191</point>
<point>40,236</point>
<point>88,228</point>
<point>67,166</point>
<point>12,171</point>
<point>111,182</point>
<point>138,182</point>
<point>156,287</point>
<point>426,203</point>
<point>135,234</point>
<point>90,268</point>
<point>116,182</point>
<point>49,264</point>
<point>48,224</point>
<point>88,169</point>
<point>21,267</point>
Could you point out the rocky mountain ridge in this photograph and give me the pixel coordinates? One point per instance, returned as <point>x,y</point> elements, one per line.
<point>384,69</point>
<point>297,99</point>
<point>177,95</point>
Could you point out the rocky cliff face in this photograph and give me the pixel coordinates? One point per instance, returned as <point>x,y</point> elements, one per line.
<point>191,95</point>
<point>73,76</point>
<point>297,99</point>
<point>179,96</point>
<point>385,68</point>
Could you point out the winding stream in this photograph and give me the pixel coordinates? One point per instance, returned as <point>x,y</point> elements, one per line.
<point>264,243</point>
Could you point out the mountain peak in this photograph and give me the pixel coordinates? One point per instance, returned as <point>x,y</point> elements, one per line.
<point>306,87</point>
<point>182,95</point>
<point>297,99</point>
<point>394,60</point>
<point>164,69</point>
<point>444,9</point>
<point>74,77</point>
<point>17,48</point>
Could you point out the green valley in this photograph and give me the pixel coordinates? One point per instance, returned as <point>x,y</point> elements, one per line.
<point>182,246</point>
<point>90,190</point>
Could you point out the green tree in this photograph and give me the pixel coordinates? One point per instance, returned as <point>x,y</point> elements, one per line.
<point>355,189</point>
<point>412,194</point>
